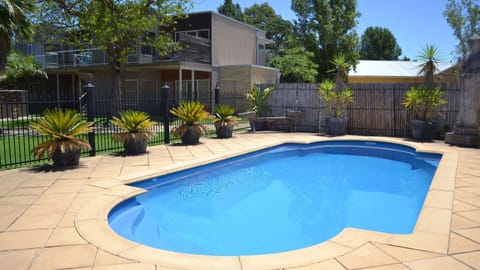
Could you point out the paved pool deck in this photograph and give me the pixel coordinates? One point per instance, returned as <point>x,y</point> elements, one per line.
<point>57,219</point>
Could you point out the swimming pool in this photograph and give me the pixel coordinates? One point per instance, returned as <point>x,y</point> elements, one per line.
<point>279,199</point>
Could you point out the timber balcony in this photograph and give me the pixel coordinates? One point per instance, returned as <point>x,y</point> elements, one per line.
<point>191,49</point>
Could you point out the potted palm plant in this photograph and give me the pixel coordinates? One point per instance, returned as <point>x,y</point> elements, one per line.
<point>336,103</point>
<point>258,100</point>
<point>224,121</point>
<point>190,112</point>
<point>62,126</point>
<point>258,105</point>
<point>423,101</point>
<point>337,96</point>
<point>136,134</point>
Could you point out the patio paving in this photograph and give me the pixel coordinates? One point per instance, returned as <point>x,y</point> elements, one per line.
<point>57,219</point>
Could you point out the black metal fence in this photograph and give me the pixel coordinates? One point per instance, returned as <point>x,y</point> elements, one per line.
<point>17,112</point>
<point>376,111</point>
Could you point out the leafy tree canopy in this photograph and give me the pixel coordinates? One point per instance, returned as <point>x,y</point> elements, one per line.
<point>231,10</point>
<point>277,29</point>
<point>117,26</point>
<point>464,18</point>
<point>19,71</point>
<point>14,22</point>
<point>326,28</point>
<point>296,65</point>
<point>379,43</point>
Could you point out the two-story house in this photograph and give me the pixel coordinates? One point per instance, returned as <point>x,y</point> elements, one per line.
<point>215,51</point>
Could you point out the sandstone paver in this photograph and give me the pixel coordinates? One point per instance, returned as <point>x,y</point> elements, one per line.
<point>366,256</point>
<point>41,211</point>
<point>443,263</point>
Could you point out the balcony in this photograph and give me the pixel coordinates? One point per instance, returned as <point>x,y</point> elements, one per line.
<point>192,49</point>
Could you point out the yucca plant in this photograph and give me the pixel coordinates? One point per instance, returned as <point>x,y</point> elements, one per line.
<point>224,120</point>
<point>336,100</point>
<point>423,102</point>
<point>190,112</point>
<point>342,67</point>
<point>62,126</point>
<point>431,56</point>
<point>258,99</point>
<point>136,134</point>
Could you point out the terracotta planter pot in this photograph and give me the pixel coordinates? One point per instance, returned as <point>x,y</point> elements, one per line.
<point>136,145</point>
<point>67,158</point>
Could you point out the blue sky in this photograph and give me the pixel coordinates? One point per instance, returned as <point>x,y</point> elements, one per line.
<point>414,23</point>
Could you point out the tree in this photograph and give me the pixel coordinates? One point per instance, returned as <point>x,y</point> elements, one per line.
<point>231,10</point>
<point>20,70</point>
<point>276,28</point>
<point>119,27</point>
<point>430,57</point>
<point>14,22</point>
<point>342,67</point>
<point>326,28</point>
<point>464,18</point>
<point>296,65</point>
<point>379,44</point>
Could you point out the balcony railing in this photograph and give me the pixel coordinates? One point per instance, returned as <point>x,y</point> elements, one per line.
<point>192,50</point>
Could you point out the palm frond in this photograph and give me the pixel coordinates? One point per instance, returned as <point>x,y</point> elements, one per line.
<point>224,115</point>
<point>62,126</point>
<point>190,112</point>
<point>133,121</point>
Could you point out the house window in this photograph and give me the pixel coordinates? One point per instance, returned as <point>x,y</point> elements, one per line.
<point>202,33</point>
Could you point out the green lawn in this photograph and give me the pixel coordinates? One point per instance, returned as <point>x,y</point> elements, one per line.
<point>16,149</point>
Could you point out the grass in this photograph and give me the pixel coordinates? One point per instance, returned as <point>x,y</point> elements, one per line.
<point>21,122</point>
<point>15,150</point>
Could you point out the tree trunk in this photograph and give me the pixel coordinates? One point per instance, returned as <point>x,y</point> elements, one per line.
<point>118,78</point>
<point>117,89</point>
<point>4,49</point>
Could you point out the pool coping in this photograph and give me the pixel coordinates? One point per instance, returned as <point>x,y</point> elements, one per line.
<point>92,224</point>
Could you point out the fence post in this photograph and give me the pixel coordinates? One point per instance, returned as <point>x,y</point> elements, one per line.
<point>89,87</point>
<point>217,95</point>
<point>166,113</point>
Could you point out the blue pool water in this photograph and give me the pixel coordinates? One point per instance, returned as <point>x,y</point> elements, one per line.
<point>280,199</point>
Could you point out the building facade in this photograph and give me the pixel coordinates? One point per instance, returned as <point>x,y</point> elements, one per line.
<point>215,51</point>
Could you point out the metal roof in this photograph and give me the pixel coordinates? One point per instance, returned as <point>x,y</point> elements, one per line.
<point>381,68</point>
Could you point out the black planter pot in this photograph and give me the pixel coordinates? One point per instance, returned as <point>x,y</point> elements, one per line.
<point>136,145</point>
<point>71,157</point>
<point>224,132</point>
<point>336,125</point>
<point>192,136</point>
<point>423,130</point>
